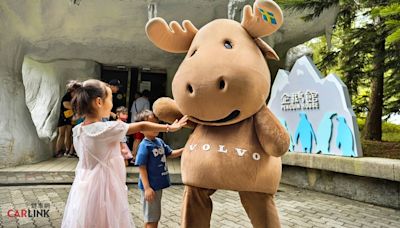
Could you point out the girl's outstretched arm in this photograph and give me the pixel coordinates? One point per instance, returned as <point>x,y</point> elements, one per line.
<point>150,126</point>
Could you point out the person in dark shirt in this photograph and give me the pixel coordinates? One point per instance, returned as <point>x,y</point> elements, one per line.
<point>119,98</point>
<point>64,121</point>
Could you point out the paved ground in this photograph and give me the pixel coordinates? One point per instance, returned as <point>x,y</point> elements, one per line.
<point>297,208</point>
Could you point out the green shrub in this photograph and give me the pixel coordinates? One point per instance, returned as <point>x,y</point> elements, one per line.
<point>390,132</point>
<point>361,123</point>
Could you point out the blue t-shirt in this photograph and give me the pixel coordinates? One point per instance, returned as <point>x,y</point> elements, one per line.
<point>152,154</point>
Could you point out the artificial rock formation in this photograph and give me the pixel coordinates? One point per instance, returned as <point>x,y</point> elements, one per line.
<point>44,86</point>
<point>42,42</point>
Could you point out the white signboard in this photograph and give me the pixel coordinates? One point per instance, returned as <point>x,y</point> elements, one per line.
<point>316,111</point>
<point>145,85</point>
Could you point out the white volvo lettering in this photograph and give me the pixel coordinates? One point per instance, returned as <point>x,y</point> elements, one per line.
<point>222,149</point>
<point>206,147</point>
<point>191,147</point>
<point>256,156</point>
<point>240,152</point>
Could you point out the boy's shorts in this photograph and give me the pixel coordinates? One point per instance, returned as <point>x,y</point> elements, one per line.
<point>152,210</point>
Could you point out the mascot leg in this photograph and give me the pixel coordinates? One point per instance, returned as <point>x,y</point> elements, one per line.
<point>260,208</point>
<point>196,207</point>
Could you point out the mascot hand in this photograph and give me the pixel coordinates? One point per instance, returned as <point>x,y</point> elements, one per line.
<point>271,134</point>
<point>166,110</point>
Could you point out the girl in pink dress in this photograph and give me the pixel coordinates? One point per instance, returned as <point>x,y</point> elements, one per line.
<point>98,196</point>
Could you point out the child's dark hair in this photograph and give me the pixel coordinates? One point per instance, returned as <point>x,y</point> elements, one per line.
<point>73,85</point>
<point>144,115</point>
<point>121,109</point>
<point>85,94</point>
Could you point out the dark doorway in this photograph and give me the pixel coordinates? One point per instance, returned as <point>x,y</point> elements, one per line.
<point>133,88</point>
<point>121,73</point>
<point>155,82</point>
<point>128,77</point>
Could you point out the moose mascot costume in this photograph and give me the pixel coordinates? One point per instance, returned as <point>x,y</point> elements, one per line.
<point>222,85</point>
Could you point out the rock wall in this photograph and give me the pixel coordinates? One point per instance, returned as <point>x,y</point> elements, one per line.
<point>44,87</point>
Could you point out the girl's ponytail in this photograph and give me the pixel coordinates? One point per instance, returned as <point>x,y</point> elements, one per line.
<point>80,100</point>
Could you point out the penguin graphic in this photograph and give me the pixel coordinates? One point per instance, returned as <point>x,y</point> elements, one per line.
<point>305,132</point>
<point>324,133</point>
<point>284,124</point>
<point>344,139</point>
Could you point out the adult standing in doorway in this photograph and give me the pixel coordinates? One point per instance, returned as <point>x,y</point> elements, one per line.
<point>118,97</point>
<point>140,104</point>
<point>64,122</point>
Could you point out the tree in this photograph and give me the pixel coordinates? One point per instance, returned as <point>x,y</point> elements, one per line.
<point>366,52</point>
<point>391,16</point>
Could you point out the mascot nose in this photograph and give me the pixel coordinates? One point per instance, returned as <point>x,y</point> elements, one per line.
<point>218,85</point>
<point>189,89</point>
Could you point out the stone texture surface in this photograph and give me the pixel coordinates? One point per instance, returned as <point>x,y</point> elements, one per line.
<point>366,189</point>
<point>383,168</point>
<point>297,208</point>
<point>295,53</point>
<point>368,179</point>
<point>107,32</point>
<point>43,89</point>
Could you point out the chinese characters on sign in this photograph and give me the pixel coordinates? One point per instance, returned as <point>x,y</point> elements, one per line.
<point>315,110</point>
<point>307,100</point>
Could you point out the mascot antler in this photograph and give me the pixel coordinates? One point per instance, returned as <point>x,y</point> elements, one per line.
<point>172,38</point>
<point>263,20</point>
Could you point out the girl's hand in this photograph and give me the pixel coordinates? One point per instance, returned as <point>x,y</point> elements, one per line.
<point>176,125</point>
<point>149,194</point>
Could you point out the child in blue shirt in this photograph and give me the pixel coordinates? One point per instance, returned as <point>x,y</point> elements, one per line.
<point>153,170</point>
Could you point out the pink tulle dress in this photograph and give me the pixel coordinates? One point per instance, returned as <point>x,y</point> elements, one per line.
<point>98,197</point>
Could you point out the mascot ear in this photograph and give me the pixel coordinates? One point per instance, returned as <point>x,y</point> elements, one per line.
<point>171,38</point>
<point>264,19</point>
<point>268,52</point>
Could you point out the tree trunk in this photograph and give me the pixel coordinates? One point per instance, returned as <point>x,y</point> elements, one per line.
<point>373,124</point>
<point>348,81</point>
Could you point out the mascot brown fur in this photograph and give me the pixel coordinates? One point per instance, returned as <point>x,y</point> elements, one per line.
<point>222,85</point>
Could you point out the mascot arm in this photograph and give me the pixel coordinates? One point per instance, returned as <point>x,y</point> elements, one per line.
<point>271,134</point>
<point>166,110</point>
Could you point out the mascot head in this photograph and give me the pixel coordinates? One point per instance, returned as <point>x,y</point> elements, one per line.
<point>224,77</point>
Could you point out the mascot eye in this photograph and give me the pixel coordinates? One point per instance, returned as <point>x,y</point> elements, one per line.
<point>228,44</point>
<point>193,53</point>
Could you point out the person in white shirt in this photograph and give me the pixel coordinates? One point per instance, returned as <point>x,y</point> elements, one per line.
<point>140,104</point>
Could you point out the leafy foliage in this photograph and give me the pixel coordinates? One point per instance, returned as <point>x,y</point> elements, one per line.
<point>366,47</point>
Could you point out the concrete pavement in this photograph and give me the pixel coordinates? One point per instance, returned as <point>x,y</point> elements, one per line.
<point>297,208</point>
